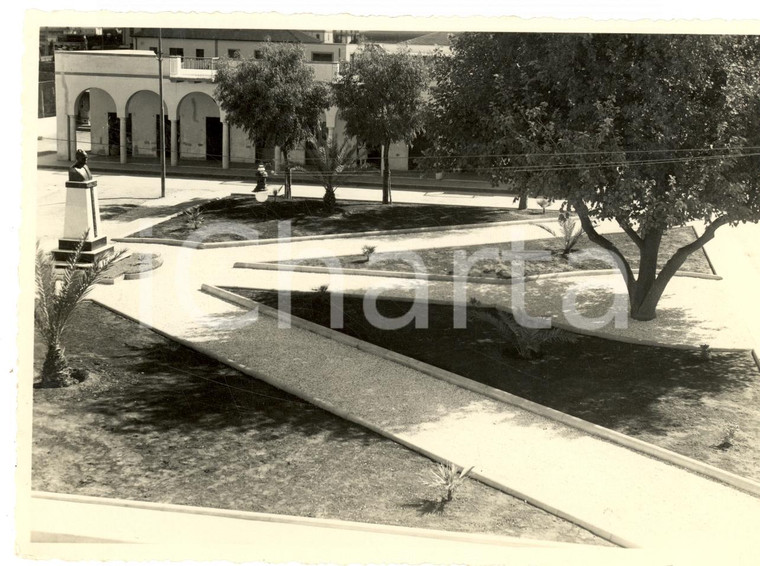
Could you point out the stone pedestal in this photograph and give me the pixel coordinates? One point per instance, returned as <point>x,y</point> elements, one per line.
<point>82,215</point>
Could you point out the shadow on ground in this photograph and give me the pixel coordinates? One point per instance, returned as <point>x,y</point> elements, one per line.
<point>128,212</point>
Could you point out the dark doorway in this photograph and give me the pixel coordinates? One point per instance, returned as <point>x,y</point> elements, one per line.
<point>114,134</point>
<point>374,156</point>
<point>213,139</point>
<point>416,158</point>
<point>167,136</point>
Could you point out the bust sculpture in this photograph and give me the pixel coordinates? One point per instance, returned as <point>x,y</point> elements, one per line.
<point>79,171</point>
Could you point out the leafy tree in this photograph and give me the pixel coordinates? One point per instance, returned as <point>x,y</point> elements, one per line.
<point>58,296</point>
<point>650,131</point>
<point>274,99</point>
<point>381,96</point>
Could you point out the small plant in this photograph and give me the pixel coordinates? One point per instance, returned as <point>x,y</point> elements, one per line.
<point>705,353</point>
<point>529,342</point>
<point>543,203</point>
<point>194,217</point>
<point>568,232</point>
<point>448,477</point>
<point>728,436</point>
<point>367,251</point>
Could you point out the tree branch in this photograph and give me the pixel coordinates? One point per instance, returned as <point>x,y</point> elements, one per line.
<point>628,229</point>
<point>599,240</point>
<point>679,257</point>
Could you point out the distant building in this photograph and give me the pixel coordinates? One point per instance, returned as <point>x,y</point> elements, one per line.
<point>118,92</point>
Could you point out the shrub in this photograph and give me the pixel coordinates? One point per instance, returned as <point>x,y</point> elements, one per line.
<point>58,296</point>
<point>529,342</point>
<point>367,251</point>
<point>570,232</point>
<point>448,477</point>
<point>194,217</point>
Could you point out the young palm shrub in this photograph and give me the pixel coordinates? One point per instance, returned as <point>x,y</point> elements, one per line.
<point>449,477</point>
<point>58,296</point>
<point>529,342</point>
<point>570,232</point>
<point>327,162</point>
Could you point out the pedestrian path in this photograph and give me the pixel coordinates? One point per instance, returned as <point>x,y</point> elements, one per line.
<point>197,533</point>
<point>629,498</point>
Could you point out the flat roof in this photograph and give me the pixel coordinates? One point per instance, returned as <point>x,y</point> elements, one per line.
<point>275,35</point>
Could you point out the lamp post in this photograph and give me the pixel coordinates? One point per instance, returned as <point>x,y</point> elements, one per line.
<point>162,149</point>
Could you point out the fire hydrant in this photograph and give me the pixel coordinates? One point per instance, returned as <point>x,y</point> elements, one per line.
<point>261,179</point>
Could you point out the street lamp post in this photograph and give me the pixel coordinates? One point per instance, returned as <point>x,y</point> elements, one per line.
<point>162,149</point>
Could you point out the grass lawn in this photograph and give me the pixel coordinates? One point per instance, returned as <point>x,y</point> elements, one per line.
<point>235,218</point>
<point>158,422</point>
<point>668,397</point>
<point>440,261</point>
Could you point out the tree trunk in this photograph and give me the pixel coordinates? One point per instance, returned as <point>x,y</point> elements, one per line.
<point>56,371</point>
<point>288,177</point>
<point>329,200</point>
<point>643,293</point>
<point>523,204</point>
<point>387,198</point>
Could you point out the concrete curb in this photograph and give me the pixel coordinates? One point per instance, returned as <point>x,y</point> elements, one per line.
<point>662,454</point>
<point>342,235</point>
<point>704,251</point>
<point>380,528</point>
<point>268,266</point>
<point>219,293</point>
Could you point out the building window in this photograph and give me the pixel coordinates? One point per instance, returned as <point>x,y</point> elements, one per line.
<point>154,49</point>
<point>233,53</point>
<point>322,57</point>
<point>177,51</point>
<point>199,53</point>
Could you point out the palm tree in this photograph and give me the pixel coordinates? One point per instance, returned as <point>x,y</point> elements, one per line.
<point>58,295</point>
<point>327,161</point>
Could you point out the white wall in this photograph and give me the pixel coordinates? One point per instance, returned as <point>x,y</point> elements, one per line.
<point>101,104</point>
<point>144,106</point>
<point>193,111</point>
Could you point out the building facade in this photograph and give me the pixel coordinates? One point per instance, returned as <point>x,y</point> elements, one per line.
<point>118,90</point>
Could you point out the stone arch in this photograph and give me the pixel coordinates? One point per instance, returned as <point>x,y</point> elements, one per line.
<point>199,124</point>
<point>142,110</point>
<point>92,108</point>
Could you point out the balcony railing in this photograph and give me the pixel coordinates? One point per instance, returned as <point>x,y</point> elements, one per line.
<point>204,68</point>
<point>193,68</point>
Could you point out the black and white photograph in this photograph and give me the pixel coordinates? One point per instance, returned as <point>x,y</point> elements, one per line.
<point>340,288</point>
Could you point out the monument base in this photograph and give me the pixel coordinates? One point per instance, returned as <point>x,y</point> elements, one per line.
<point>92,250</point>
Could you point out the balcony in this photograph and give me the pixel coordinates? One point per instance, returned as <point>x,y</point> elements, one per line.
<point>193,68</point>
<point>204,69</point>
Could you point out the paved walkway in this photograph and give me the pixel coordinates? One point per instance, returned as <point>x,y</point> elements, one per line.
<point>194,533</point>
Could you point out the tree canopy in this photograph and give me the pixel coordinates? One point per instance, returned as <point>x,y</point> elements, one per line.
<point>380,95</point>
<point>650,131</point>
<point>274,98</point>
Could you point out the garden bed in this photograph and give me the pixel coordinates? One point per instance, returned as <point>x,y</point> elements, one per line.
<point>155,421</point>
<point>440,261</point>
<point>236,217</point>
<point>708,410</point>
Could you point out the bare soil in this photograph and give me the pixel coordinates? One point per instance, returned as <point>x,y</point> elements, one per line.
<point>242,218</point>
<point>440,261</point>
